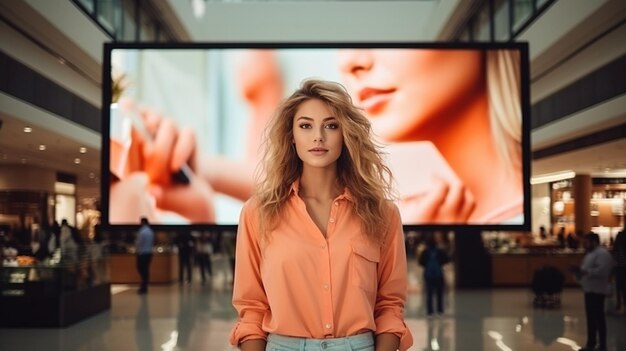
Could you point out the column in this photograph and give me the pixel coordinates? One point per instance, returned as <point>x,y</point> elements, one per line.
<point>582,202</point>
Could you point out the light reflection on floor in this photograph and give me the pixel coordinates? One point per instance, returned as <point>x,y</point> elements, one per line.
<point>199,317</point>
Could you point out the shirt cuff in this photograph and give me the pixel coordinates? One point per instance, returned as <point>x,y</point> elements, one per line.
<point>391,323</point>
<point>246,330</point>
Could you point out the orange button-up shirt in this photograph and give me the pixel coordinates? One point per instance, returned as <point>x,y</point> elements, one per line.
<point>302,284</point>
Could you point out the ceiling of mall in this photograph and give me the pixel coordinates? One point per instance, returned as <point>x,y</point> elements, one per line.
<point>20,148</point>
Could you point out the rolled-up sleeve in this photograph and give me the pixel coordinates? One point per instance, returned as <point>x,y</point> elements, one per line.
<point>392,284</point>
<point>249,297</point>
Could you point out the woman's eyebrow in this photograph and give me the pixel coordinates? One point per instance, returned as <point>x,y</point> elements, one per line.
<point>310,119</point>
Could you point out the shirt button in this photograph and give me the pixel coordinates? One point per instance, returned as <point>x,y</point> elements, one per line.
<point>326,286</point>
<point>323,247</point>
<point>332,220</point>
<point>328,325</point>
<point>336,203</point>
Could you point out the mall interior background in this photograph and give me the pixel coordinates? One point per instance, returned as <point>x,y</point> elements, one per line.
<point>51,77</point>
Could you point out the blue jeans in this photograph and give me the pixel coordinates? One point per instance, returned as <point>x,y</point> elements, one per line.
<point>360,342</point>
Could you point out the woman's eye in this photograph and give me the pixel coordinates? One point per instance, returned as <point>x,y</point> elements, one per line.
<point>332,126</point>
<point>305,126</point>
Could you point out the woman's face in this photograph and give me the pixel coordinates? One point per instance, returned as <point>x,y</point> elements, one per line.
<point>317,134</point>
<point>405,92</point>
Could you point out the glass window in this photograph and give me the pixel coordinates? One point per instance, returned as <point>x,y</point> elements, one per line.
<point>128,23</point>
<point>88,5</point>
<point>465,36</point>
<point>110,15</point>
<point>147,29</point>
<point>481,24</point>
<point>522,10</point>
<point>501,20</point>
<point>541,3</point>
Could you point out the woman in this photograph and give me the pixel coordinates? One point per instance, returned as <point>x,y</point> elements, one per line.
<point>467,104</point>
<point>320,248</point>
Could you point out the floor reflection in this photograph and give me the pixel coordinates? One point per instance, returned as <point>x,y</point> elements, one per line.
<point>199,317</point>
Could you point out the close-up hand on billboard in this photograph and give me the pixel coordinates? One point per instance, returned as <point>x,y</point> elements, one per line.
<point>184,126</point>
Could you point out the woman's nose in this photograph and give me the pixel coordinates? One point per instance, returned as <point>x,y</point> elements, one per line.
<point>319,135</point>
<point>354,61</point>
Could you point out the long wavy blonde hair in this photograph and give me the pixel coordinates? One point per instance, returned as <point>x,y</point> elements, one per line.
<point>360,167</point>
<point>504,92</point>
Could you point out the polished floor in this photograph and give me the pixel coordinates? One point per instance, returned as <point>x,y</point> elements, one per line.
<point>199,317</point>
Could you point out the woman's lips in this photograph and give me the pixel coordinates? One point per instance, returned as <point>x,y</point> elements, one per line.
<point>318,151</point>
<point>373,100</point>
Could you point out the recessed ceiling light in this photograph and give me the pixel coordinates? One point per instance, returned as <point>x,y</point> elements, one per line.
<point>42,147</point>
<point>23,160</point>
<point>28,129</point>
<point>77,160</point>
<point>82,149</point>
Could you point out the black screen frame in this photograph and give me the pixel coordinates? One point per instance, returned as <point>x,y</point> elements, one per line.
<point>522,47</point>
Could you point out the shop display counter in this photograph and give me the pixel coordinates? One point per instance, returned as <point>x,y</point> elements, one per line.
<point>163,268</point>
<point>44,295</point>
<point>517,269</point>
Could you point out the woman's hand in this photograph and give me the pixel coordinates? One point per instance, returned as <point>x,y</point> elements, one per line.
<point>160,149</point>
<point>445,202</point>
<point>130,199</point>
<point>430,191</point>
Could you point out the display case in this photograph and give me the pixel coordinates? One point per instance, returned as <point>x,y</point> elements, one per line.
<point>53,293</point>
<point>516,256</point>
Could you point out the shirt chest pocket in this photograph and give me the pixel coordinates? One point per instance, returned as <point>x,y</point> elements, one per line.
<point>364,265</point>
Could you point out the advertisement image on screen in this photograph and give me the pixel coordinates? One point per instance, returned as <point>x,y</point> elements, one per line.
<point>183,131</point>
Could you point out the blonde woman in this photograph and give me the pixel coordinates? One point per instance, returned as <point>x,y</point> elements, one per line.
<point>320,250</point>
<point>456,111</point>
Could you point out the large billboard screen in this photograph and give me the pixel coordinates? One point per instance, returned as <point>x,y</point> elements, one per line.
<point>183,126</point>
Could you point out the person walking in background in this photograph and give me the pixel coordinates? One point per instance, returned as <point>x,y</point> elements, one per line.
<point>432,260</point>
<point>320,247</point>
<point>143,245</point>
<point>593,275</point>
<point>229,251</point>
<point>185,244</point>
<point>204,251</point>
<point>619,253</point>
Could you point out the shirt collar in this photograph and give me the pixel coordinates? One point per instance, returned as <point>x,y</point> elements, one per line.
<point>346,195</point>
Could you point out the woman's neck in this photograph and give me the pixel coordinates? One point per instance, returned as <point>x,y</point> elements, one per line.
<point>471,151</point>
<point>319,184</point>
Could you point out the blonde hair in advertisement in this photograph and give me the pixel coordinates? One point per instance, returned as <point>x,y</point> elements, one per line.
<point>504,89</point>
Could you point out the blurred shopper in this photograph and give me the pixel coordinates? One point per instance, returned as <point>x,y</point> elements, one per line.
<point>229,249</point>
<point>320,249</point>
<point>70,243</point>
<point>619,253</point>
<point>432,260</point>
<point>203,252</point>
<point>143,245</point>
<point>593,275</point>
<point>185,244</point>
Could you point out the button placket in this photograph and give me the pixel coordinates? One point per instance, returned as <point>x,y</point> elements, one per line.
<point>325,286</point>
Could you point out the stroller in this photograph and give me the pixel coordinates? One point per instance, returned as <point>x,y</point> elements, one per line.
<point>547,285</point>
